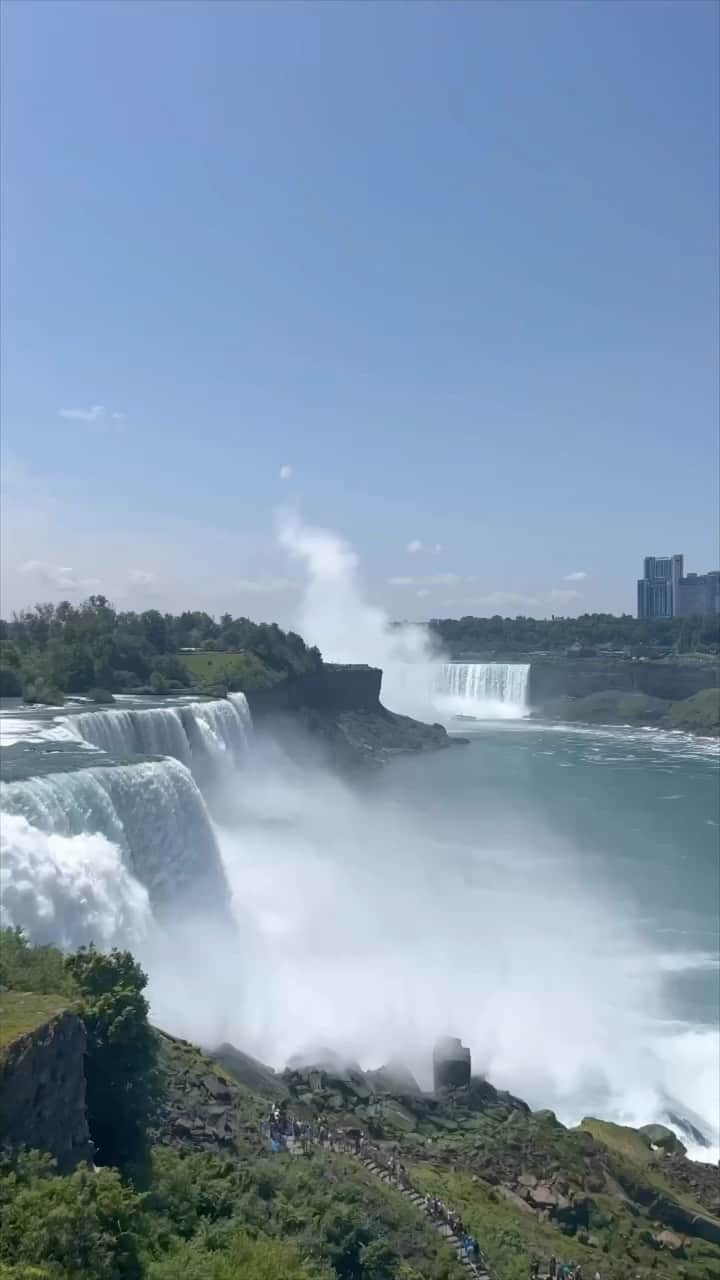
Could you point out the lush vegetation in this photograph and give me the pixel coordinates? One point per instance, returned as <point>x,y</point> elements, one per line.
<point>698,714</point>
<point>120,1054</point>
<point>199,1214</point>
<point>590,632</point>
<point>107,992</point>
<point>53,650</point>
<point>23,1011</point>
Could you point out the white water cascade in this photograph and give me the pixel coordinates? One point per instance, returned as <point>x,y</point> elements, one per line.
<point>208,737</point>
<point>151,812</point>
<point>485,690</point>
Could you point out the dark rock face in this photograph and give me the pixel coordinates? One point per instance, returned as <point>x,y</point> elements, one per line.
<point>42,1092</point>
<point>568,677</point>
<point>451,1064</point>
<point>249,1071</point>
<point>339,709</point>
<point>333,688</point>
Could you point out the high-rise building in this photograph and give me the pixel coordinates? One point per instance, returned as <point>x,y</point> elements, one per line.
<point>658,586</point>
<point>697,593</point>
<point>665,592</point>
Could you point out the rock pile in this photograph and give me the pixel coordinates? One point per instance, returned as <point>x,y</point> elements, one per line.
<point>198,1107</point>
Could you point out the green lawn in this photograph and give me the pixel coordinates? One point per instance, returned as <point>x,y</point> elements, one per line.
<point>242,670</point>
<point>22,1011</point>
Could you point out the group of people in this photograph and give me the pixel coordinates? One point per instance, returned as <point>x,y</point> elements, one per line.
<point>559,1270</point>
<point>436,1208</point>
<point>282,1129</point>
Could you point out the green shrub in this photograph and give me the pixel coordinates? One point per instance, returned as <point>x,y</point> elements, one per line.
<point>698,714</point>
<point>121,1051</point>
<point>42,691</point>
<point>84,1225</point>
<point>103,697</point>
<point>27,968</point>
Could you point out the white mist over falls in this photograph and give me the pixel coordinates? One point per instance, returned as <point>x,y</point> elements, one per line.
<point>280,907</point>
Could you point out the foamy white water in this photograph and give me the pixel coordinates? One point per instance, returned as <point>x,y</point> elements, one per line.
<point>486,690</point>
<point>69,889</point>
<point>375,922</point>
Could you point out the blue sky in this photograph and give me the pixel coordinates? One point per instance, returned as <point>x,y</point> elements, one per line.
<point>454,265</point>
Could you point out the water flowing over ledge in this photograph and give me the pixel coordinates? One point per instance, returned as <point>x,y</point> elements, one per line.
<point>151,811</point>
<point>204,736</point>
<point>487,690</point>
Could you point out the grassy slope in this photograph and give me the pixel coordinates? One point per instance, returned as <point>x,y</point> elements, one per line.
<point>697,714</point>
<point>22,1011</point>
<point>308,1187</point>
<point>241,670</point>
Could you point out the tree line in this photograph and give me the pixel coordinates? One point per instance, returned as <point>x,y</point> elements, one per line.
<point>52,650</point>
<point>589,632</point>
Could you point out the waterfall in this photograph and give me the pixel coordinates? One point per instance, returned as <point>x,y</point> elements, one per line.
<point>70,890</point>
<point>207,737</point>
<point>487,690</point>
<point>150,811</point>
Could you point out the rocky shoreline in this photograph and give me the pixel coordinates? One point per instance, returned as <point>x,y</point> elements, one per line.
<point>698,715</point>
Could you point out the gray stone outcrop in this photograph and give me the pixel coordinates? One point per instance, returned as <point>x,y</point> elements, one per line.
<point>451,1064</point>
<point>42,1092</point>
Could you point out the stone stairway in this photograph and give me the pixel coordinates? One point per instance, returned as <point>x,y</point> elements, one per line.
<point>479,1270</point>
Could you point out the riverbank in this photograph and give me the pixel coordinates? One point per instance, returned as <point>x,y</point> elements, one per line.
<point>698,714</point>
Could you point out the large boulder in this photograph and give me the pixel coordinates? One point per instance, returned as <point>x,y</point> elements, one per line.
<point>394,1077</point>
<point>451,1064</point>
<point>658,1135</point>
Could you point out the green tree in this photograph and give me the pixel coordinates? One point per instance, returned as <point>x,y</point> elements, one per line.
<point>84,1225</point>
<point>120,1053</point>
<point>242,1259</point>
<point>27,968</point>
<point>379,1260</point>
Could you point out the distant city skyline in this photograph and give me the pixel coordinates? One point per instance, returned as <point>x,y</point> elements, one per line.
<point>440,278</point>
<point>665,591</point>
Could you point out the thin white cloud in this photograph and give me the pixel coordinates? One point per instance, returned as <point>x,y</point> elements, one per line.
<point>437,548</point>
<point>560,596</point>
<point>93,414</point>
<point>96,413</point>
<point>140,577</point>
<point>414,546</point>
<point>61,577</point>
<point>263,586</point>
<point>430,580</point>
<point>576,576</point>
<point>423,592</point>
<point>285,471</point>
